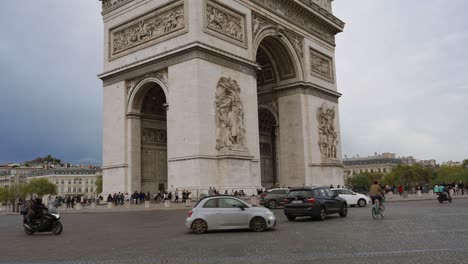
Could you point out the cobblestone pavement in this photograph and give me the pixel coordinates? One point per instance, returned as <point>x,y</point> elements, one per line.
<point>412,232</point>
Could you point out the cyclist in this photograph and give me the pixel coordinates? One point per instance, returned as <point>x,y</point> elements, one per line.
<point>376,192</point>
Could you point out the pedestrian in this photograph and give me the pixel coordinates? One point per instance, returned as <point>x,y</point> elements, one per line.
<point>176,196</point>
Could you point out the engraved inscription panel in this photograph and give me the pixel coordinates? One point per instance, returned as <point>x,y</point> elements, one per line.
<point>155,26</point>
<point>321,66</point>
<point>225,23</point>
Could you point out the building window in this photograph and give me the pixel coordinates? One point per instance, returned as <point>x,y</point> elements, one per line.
<point>69,189</point>
<point>62,189</point>
<point>86,181</point>
<point>92,189</point>
<point>69,181</point>
<point>92,181</point>
<point>86,190</point>
<point>79,190</point>
<point>62,181</point>
<point>384,169</point>
<point>74,189</point>
<point>57,182</point>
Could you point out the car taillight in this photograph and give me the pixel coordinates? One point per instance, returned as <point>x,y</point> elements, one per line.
<point>286,200</point>
<point>311,200</point>
<point>190,213</point>
<point>263,195</point>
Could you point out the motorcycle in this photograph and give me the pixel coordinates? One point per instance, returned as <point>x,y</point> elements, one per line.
<point>49,221</point>
<point>444,196</point>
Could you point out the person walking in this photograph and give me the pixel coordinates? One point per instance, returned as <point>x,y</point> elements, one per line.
<point>176,194</point>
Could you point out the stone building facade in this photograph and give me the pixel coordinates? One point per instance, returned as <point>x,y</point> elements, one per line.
<point>383,163</point>
<point>70,181</point>
<point>231,94</point>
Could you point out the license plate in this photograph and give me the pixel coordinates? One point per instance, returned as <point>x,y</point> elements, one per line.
<point>299,201</point>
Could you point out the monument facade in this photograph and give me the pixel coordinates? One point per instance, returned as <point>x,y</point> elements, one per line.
<point>231,94</point>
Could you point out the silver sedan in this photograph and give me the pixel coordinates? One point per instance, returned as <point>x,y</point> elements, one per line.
<point>228,212</point>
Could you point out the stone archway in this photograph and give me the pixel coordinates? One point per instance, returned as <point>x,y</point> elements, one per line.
<point>209,52</point>
<point>278,67</point>
<point>153,140</point>
<point>147,123</point>
<point>267,126</point>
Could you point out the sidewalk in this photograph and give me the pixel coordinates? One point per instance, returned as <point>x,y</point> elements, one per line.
<point>119,208</point>
<point>414,197</point>
<point>182,206</point>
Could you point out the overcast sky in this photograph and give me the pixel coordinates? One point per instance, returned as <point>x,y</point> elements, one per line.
<point>402,67</point>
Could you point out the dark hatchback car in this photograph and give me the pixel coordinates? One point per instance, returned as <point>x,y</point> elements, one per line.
<point>313,201</point>
<point>273,198</point>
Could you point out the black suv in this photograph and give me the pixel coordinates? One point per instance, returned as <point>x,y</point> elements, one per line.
<point>273,198</point>
<point>313,201</point>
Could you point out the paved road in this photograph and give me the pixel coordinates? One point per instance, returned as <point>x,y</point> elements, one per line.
<point>412,232</point>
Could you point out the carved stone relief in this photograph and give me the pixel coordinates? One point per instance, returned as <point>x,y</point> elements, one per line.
<point>297,40</point>
<point>325,4</point>
<point>161,75</point>
<point>147,29</point>
<point>328,137</point>
<point>154,136</point>
<point>225,23</point>
<point>108,5</point>
<point>321,66</point>
<point>259,23</point>
<point>229,116</point>
<point>310,23</point>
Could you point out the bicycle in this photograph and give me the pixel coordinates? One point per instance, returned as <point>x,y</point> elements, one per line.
<point>378,209</point>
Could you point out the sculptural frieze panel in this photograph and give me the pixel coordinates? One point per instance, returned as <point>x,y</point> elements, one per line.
<point>328,137</point>
<point>313,25</point>
<point>155,26</point>
<point>154,136</point>
<point>321,66</point>
<point>229,116</point>
<point>225,23</point>
<point>109,5</point>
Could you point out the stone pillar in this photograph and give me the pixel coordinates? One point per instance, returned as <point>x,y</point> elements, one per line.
<point>431,192</point>
<point>79,206</point>
<point>194,161</point>
<point>147,204</point>
<point>291,138</point>
<point>419,193</point>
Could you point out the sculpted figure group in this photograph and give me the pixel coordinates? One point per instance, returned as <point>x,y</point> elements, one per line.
<point>229,116</point>
<point>328,137</point>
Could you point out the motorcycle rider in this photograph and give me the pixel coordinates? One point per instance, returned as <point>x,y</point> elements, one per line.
<point>35,210</point>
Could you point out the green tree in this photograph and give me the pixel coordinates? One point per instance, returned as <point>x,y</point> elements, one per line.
<point>465,163</point>
<point>13,192</point>
<point>99,185</point>
<point>41,187</point>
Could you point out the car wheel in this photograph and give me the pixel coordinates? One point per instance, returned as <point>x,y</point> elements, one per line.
<point>323,213</point>
<point>344,210</point>
<point>272,204</point>
<point>258,224</point>
<point>291,218</point>
<point>362,203</point>
<point>199,226</point>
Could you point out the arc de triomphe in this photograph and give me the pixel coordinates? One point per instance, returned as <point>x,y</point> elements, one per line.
<point>231,94</point>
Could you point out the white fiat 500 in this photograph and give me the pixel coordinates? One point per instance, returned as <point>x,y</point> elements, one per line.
<point>228,212</point>
<point>352,198</point>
